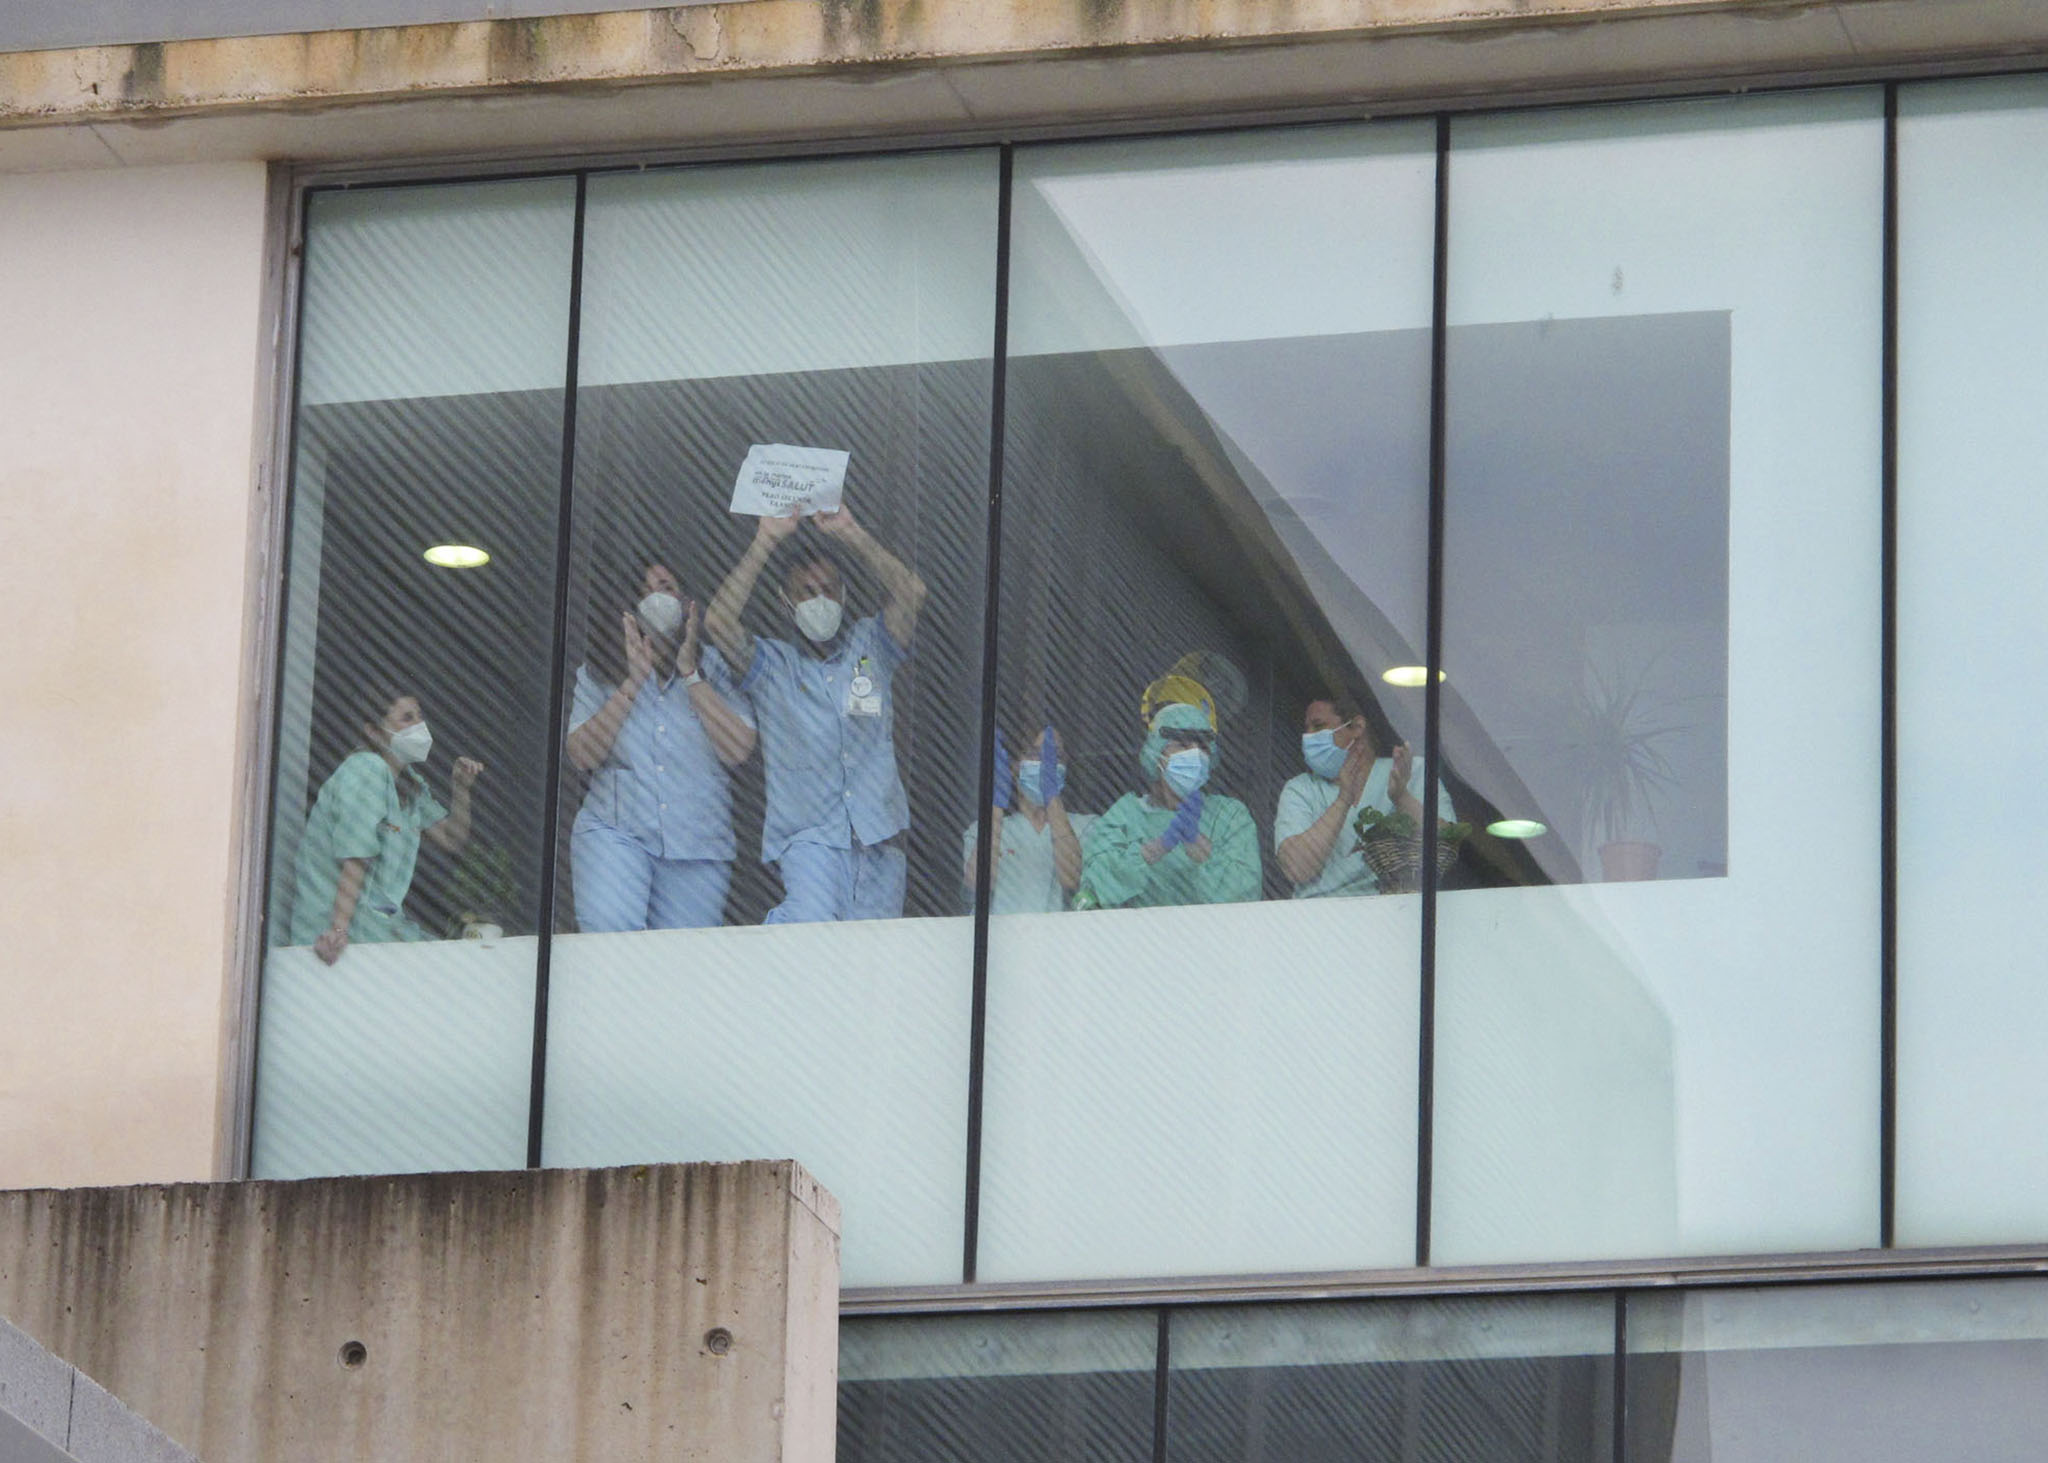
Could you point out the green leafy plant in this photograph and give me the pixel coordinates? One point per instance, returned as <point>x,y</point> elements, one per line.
<point>1614,752</point>
<point>1372,823</point>
<point>481,888</point>
<point>1392,845</point>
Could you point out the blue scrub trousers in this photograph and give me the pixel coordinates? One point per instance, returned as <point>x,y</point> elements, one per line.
<point>621,886</point>
<point>821,883</point>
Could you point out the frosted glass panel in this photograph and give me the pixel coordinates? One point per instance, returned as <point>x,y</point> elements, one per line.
<point>411,762</point>
<point>1839,1374</point>
<point>845,1049</point>
<point>731,762</point>
<point>1661,646</point>
<point>1524,1380</point>
<point>1973,532</point>
<point>1002,1388</point>
<point>1201,997</point>
<point>413,1058</point>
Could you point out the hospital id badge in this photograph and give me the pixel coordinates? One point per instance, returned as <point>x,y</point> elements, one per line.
<point>859,705</point>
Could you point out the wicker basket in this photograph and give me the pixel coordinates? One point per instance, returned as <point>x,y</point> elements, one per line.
<point>1396,860</point>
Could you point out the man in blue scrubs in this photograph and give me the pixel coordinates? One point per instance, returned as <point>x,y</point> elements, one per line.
<point>824,704</point>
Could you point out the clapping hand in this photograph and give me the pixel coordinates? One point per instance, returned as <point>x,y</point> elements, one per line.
<point>467,770</point>
<point>1004,779</point>
<point>1186,825</point>
<point>1051,781</point>
<point>686,653</point>
<point>639,648</point>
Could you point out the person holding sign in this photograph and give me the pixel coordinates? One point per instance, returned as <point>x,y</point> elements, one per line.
<point>656,722</point>
<point>1172,843</point>
<point>1035,853</point>
<point>836,811</point>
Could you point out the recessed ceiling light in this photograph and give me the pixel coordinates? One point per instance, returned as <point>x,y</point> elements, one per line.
<point>457,556</point>
<point>1408,675</point>
<point>1517,828</point>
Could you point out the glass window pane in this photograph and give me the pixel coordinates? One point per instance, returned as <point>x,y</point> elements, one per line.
<point>1855,1373</point>
<point>434,341</point>
<point>1657,1022</point>
<point>1973,531</point>
<point>814,775</point>
<point>1216,500</point>
<point>1503,1380</point>
<point>998,1388</point>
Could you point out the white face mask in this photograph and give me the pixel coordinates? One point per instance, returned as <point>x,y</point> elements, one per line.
<point>818,617</point>
<point>662,613</point>
<point>412,744</point>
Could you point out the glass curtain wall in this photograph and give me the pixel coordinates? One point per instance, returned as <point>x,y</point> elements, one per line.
<point>1657,1032</point>
<point>398,986</point>
<point>1972,533</point>
<point>730,762</point>
<point>1201,1033</point>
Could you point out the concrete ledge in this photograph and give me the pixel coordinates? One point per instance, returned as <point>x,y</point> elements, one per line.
<point>798,72</point>
<point>676,1311</point>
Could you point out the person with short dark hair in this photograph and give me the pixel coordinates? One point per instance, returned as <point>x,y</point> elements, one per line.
<point>656,722</point>
<point>825,704</point>
<point>362,839</point>
<point>1313,838</point>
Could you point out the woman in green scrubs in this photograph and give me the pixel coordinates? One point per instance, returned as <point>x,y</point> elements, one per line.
<point>363,836</point>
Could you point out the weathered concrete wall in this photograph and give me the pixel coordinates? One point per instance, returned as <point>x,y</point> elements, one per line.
<point>130,348</point>
<point>667,1312</point>
<point>50,1411</point>
<point>769,71</point>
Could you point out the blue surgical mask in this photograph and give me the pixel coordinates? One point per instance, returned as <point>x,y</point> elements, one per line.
<point>1320,751</point>
<point>1185,771</point>
<point>1027,779</point>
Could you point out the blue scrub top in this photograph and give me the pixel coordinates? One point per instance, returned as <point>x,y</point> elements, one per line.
<point>830,747</point>
<point>662,785</point>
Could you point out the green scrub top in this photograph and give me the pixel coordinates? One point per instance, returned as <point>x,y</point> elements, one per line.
<point>359,815</point>
<point>1114,871</point>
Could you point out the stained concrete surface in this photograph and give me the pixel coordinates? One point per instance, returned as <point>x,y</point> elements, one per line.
<point>661,1312</point>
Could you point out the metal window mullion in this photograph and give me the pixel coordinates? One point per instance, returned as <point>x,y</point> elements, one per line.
<point>557,686</point>
<point>1888,730</point>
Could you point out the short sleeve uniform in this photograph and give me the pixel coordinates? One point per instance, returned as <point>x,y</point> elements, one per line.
<point>1027,878</point>
<point>662,784</point>
<point>359,815</point>
<point>1306,797</point>
<point>827,729</point>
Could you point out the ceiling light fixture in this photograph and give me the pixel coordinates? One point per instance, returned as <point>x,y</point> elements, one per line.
<point>1517,828</point>
<point>1408,675</point>
<point>456,556</point>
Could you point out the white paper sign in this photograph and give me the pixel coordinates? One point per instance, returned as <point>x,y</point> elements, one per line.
<point>777,478</point>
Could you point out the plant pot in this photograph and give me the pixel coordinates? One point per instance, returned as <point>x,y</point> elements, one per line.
<point>1396,861</point>
<point>1628,861</point>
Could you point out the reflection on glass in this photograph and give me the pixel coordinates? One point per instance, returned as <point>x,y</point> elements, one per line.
<point>1661,675</point>
<point>1416,1380</point>
<point>776,717</point>
<point>1972,534</point>
<point>998,1389</point>
<point>1839,1374</point>
<point>1216,469</point>
<point>397,1008</point>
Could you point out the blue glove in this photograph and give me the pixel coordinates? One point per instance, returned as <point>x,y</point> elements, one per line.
<point>1186,826</point>
<point>1050,779</point>
<point>1004,780</point>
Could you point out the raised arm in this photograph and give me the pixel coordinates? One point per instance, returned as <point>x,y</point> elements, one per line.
<point>452,832</point>
<point>1302,856</point>
<point>724,620</point>
<point>903,591</point>
<point>732,735</point>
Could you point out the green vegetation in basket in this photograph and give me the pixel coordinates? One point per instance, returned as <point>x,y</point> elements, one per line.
<point>481,889</point>
<point>1372,823</point>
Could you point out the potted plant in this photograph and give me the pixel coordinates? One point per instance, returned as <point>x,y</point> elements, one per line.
<point>1392,845</point>
<point>1615,752</point>
<point>482,892</point>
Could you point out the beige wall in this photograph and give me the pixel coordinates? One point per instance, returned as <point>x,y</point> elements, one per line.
<point>130,306</point>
